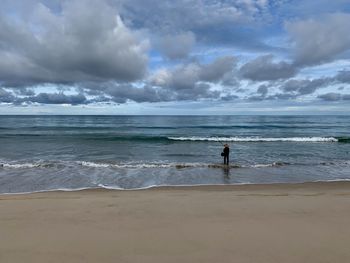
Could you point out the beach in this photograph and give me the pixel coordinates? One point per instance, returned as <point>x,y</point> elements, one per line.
<point>247,223</point>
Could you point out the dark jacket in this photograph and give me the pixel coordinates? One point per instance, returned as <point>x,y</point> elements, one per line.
<point>226,151</point>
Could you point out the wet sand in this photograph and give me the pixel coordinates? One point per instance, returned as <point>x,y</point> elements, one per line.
<point>251,223</point>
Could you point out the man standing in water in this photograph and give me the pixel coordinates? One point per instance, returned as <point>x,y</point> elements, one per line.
<point>226,153</point>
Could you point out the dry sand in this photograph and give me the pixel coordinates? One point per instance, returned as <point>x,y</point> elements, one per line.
<point>267,223</point>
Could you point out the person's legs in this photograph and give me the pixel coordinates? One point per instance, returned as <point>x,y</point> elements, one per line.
<point>225,159</point>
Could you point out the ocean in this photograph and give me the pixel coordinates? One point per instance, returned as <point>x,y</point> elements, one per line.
<point>45,153</point>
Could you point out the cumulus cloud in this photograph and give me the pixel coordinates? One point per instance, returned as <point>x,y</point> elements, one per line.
<point>86,40</point>
<point>194,80</point>
<point>186,76</point>
<point>176,46</point>
<point>304,86</point>
<point>218,70</point>
<point>264,68</point>
<point>320,40</point>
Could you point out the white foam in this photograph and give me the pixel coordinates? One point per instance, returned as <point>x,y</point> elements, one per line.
<point>255,139</point>
<point>141,165</point>
<point>95,165</point>
<point>20,165</point>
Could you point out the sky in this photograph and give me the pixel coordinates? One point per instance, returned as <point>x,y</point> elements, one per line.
<point>174,57</point>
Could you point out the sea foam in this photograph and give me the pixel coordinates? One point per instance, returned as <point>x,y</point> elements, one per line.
<point>255,139</point>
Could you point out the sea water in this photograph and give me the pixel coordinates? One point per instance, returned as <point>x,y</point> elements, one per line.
<point>43,153</point>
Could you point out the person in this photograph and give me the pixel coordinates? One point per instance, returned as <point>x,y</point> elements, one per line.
<point>226,153</point>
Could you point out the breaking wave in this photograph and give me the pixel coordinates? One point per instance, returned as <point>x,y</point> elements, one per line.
<point>258,139</point>
<point>151,165</point>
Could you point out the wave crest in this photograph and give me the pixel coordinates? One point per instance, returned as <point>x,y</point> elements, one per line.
<point>255,139</point>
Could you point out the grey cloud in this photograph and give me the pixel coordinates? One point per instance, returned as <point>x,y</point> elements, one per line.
<point>6,96</point>
<point>85,41</point>
<point>216,21</point>
<point>176,46</point>
<point>264,68</point>
<point>123,93</point>
<point>199,91</point>
<point>185,82</point>
<point>42,98</point>
<point>229,97</point>
<point>263,90</point>
<point>304,86</point>
<point>168,15</point>
<point>217,70</point>
<point>281,96</point>
<point>346,97</point>
<point>261,94</point>
<point>55,98</point>
<point>343,76</point>
<point>185,77</point>
<point>23,91</point>
<point>320,40</point>
<point>332,96</point>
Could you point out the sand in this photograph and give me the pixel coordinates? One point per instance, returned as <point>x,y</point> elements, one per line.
<point>267,223</point>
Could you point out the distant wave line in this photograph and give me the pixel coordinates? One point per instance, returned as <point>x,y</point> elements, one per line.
<point>162,138</point>
<point>260,139</point>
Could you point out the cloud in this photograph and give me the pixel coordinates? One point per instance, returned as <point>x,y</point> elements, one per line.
<point>42,98</point>
<point>193,81</point>
<point>332,96</point>
<point>123,93</point>
<point>264,68</point>
<point>23,91</point>
<point>186,76</point>
<point>146,93</point>
<point>54,98</point>
<point>304,86</point>
<point>218,69</point>
<point>170,15</point>
<point>5,96</point>
<point>319,40</point>
<point>232,22</point>
<point>176,46</point>
<point>263,90</point>
<point>85,41</point>
<point>343,76</point>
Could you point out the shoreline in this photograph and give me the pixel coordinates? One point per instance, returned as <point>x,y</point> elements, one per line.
<point>273,223</point>
<point>199,187</point>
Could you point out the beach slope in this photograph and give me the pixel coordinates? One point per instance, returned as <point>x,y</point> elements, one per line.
<point>252,223</point>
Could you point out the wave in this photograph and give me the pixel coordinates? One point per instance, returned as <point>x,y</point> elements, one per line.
<point>26,165</point>
<point>177,165</point>
<point>259,139</point>
<point>154,165</point>
<point>151,138</point>
<point>91,164</point>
